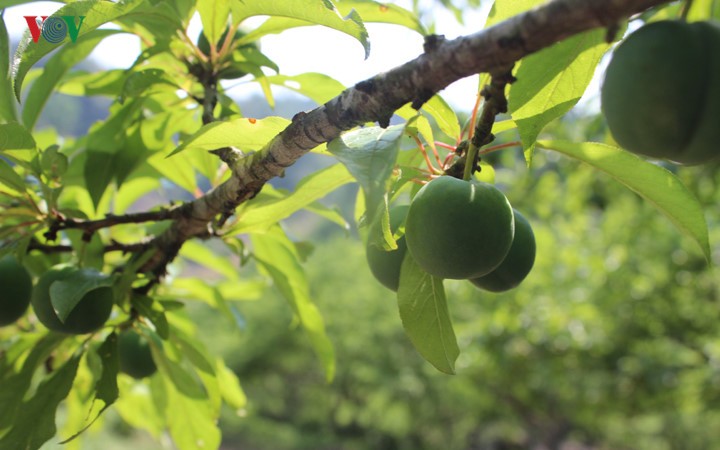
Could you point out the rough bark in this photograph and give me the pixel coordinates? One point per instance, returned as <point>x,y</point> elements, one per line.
<point>491,50</point>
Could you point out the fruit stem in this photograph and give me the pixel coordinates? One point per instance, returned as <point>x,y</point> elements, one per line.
<point>470,161</point>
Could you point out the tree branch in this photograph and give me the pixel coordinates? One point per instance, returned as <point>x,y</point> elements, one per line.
<point>492,50</point>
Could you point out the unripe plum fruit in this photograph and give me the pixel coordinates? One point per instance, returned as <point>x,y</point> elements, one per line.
<point>91,312</point>
<point>385,265</point>
<point>135,355</point>
<point>518,262</point>
<point>459,229</point>
<point>661,93</point>
<point>16,290</point>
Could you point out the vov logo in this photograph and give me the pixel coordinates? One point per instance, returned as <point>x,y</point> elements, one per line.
<point>54,29</point>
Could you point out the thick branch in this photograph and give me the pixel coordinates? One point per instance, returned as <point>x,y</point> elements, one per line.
<point>376,99</point>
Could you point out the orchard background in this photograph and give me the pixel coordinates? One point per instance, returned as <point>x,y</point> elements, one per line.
<point>233,239</point>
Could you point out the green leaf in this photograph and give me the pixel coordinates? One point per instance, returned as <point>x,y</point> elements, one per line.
<point>246,134</point>
<point>369,11</point>
<point>444,116</point>
<point>106,387</point>
<point>96,12</point>
<point>194,352</point>
<point>653,183</point>
<point>701,10</point>
<point>192,422</point>
<point>230,389</point>
<point>35,421</point>
<point>14,387</point>
<point>318,12</point>
<point>53,71</point>
<point>275,253</point>
<point>504,9</point>
<point>316,86</point>
<point>140,82</point>
<point>8,112</point>
<point>425,317</point>
<point>99,172</point>
<point>201,254</point>
<point>214,16</point>
<point>17,142</point>
<point>550,82</point>
<point>184,380</point>
<point>264,211</point>
<point>369,154</point>
<point>84,84</point>
<point>65,294</point>
<point>147,307</point>
<point>10,178</point>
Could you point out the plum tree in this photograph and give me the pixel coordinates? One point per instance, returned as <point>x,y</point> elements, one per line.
<point>90,313</point>
<point>518,262</point>
<point>459,229</point>
<point>385,265</point>
<point>661,93</point>
<point>17,287</point>
<point>134,354</point>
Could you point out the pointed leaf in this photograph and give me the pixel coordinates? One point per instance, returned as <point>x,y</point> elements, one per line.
<point>8,112</point>
<point>262,215</point>
<point>10,178</point>
<point>65,294</point>
<point>369,11</point>
<point>192,422</point>
<point>153,310</point>
<point>278,256</point>
<point>230,389</point>
<point>14,387</point>
<point>318,12</point>
<point>96,12</point>
<point>369,154</point>
<point>17,142</point>
<point>425,317</point>
<point>201,254</point>
<point>99,170</point>
<point>550,82</point>
<point>316,86</point>
<point>654,183</point>
<point>35,421</point>
<point>247,134</point>
<point>106,387</point>
<point>184,380</point>
<point>214,16</point>
<point>55,69</point>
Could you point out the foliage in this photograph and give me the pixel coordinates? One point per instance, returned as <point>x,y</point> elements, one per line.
<point>88,203</point>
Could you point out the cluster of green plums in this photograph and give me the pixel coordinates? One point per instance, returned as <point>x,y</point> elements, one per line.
<point>462,230</point>
<point>90,313</point>
<point>661,93</point>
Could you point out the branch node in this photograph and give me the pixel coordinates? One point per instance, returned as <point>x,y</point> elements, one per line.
<point>433,42</point>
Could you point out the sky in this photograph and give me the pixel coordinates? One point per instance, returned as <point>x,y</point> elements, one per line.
<point>307,49</point>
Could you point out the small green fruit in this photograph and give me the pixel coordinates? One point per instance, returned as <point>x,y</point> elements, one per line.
<point>135,355</point>
<point>661,93</point>
<point>518,262</point>
<point>459,229</point>
<point>17,287</point>
<point>89,314</point>
<point>385,265</point>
